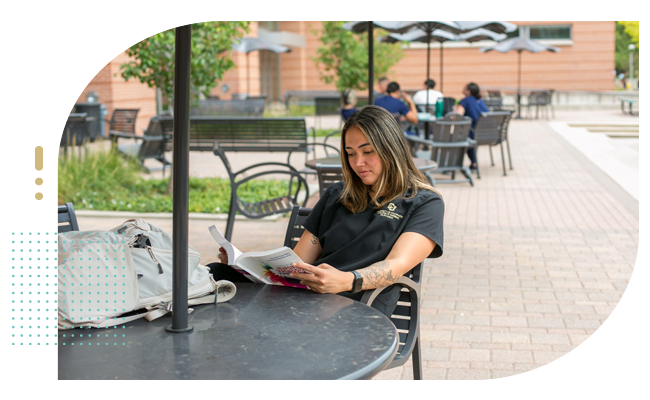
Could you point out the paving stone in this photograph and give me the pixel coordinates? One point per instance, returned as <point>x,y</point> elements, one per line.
<point>436,335</point>
<point>512,356</point>
<point>509,321</point>
<point>506,306</point>
<point>549,338</point>
<point>545,323</point>
<point>492,365</point>
<point>471,336</point>
<point>582,324</point>
<point>470,355</point>
<point>498,373</point>
<point>589,340</point>
<point>509,337</point>
<point>435,354</point>
<point>472,320</point>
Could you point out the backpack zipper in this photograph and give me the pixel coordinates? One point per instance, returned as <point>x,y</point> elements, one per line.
<point>160,269</point>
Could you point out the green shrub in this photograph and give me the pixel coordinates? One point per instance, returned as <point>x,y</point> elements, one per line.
<point>107,181</point>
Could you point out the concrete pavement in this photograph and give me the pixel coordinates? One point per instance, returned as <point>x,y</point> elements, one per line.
<point>533,262</point>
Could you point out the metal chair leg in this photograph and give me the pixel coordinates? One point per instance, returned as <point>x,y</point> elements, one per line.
<point>509,158</point>
<point>417,360</point>
<point>491,158</point>
<point>503,160</point>
<point>230,224</point>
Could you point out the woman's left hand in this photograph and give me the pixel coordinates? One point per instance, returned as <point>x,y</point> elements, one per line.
<point>324,278</point>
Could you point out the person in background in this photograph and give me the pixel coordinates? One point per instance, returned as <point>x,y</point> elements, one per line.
<point>382,86</point>
<point>349,103</point>
<point>394,105</point>
<point>420,97</point>
<point>472,106</point>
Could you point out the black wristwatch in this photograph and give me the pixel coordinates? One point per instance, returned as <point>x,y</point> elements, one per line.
<point>358,282</point>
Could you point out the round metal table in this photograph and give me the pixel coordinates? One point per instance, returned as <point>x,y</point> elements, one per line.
<point>420,163</point>
<point>264,332</point>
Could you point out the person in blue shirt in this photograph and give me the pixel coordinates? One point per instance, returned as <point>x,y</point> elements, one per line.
<point>395,106</point>
<point>349,104</point>
<point>472,106</point>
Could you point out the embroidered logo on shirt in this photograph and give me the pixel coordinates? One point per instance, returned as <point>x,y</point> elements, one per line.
<point>389,213</point>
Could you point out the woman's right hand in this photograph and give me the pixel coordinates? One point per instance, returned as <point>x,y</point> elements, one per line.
<point>223,256</point>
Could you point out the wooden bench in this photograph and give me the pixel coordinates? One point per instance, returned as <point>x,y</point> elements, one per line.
<point>629,102</point>
<point>250,134</point>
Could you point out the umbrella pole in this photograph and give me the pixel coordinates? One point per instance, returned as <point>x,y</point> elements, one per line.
<point>371,66</point>
<point>248,75</point>
<point>441,67</point>
<point>180,178</point>
<point>519,85</point>
<point>428,59</point>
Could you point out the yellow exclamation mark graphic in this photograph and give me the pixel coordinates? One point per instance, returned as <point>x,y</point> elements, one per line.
<point>38,153</point>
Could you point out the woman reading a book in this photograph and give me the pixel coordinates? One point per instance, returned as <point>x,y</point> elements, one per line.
<point>376,225</point>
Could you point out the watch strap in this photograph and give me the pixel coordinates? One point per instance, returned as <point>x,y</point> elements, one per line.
<point>358,282</point>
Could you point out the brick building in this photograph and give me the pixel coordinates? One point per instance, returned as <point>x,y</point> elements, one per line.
<point>585,63</point>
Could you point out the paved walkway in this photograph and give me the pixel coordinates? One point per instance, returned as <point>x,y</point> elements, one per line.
<point>533,262</point>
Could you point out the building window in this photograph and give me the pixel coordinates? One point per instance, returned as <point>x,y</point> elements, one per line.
<point>550,32</point>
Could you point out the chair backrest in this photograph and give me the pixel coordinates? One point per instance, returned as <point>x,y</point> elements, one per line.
<point>75,132</point>
<point>249,106</point>
<point>123,120</point>
<point>328,175</point>
<point>504,126</point>
<point>94,112</point>
<point>327,105</point>
<point>218,151</point>
<point>67,218</point>
<point>453,128</point>
<point>295,228</point>
<point>494,94</point>
<point>493,104</point>
<point>488,127</point>
<point>539,98</point>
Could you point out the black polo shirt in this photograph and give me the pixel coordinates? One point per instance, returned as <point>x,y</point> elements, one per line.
<point>355,241</point>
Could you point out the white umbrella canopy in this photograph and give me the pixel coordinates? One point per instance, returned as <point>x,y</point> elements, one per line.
<point>249,44</point>
<point>520,44</point>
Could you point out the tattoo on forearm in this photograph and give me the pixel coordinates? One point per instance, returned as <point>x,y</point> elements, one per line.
<point>314,239</point>
<point>378,275</point>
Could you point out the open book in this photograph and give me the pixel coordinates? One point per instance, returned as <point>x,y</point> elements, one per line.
<point>271,267</point>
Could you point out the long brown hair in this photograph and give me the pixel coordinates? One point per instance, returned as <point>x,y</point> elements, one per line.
<point>399,173</point>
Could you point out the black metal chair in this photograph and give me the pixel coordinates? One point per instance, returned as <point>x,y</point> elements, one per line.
<point>123,120</point>
<point>488,131</point>
<point>327,176</point>
<point>447,147</point>
<point>263,208</point>
<point>504,137</point>
<point>94,120</point>
<point>537,99</point>
<point>75,132</point>
<point>67,218</point>
<point>151,145</point>
<point>406,316</point>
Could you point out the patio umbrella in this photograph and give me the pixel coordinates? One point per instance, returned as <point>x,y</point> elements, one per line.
<point>519,44</point>
<point>427,26</point>
<point>91,30</point>
<point>442,36</point>
<point>181,178</point>
<point>247,45</point>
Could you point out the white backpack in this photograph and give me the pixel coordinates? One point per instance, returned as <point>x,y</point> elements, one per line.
<point>104,274</point>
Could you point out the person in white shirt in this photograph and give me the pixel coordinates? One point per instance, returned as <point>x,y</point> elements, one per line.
<point>420,97</point>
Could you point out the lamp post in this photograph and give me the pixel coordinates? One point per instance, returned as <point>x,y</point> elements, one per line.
<point>631,48</point>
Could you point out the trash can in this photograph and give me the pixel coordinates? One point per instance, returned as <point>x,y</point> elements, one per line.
<point>96,113</point>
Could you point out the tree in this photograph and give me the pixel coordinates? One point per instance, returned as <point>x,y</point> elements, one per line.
<point>623,40</point>
<point>153,58</point>
<point>343,56</point>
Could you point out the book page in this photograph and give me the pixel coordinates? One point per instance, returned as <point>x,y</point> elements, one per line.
<point>273,266</point>
<point>231,250</point>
